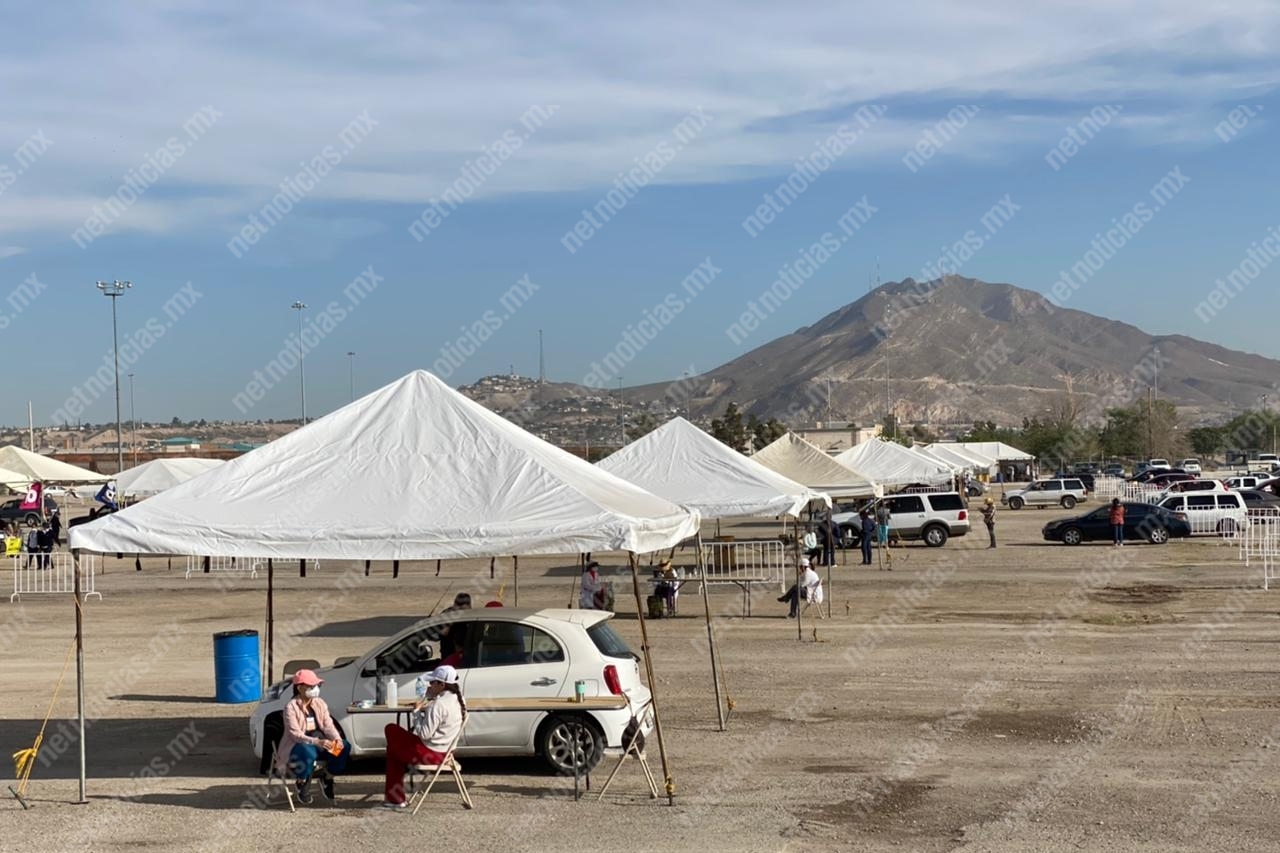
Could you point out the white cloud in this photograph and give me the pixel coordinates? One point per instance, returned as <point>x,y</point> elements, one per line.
<point>11,251</point>
<point>444,79</point>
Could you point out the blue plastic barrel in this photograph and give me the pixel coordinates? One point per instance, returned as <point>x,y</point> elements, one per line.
<point>236,672</point>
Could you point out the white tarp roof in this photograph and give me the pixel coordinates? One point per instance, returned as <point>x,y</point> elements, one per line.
<point>958,455</point>
<point>13,478</point>
<point>683,464</point>
<point>413,471</point>
<point>794,458</point>
<point>891,464</point>
<point>996,450</point>
<point>46,469</point>
<point>158,475</point>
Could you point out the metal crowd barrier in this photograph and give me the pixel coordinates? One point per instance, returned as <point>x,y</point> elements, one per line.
<point>52,574</point>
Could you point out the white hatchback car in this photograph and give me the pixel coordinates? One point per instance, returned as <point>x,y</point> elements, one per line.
<point>506,653</point>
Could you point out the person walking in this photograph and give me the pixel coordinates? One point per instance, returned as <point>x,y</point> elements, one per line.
<point>868,533</point>
<point>1117,522</point>
<point>989,519</point>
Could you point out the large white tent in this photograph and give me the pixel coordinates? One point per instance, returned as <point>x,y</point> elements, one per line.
<point>683,464</point>
<point>159,475</point>
<point>891,464</point>
<point>794,458</point>
<point>14,479</point>
<point>413,471</point>
<point>957,455</point>
<point>997,451</point>
<point>46,469</point>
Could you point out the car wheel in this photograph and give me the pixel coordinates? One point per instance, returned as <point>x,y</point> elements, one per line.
<point>1015,503</point>
<point>32,519</point>
<point>1068,502</point>
<point>1072,536</point>
<point>272,731</point>
<point>562,736</point>
<point>849,538</point>
<point>935,536</point>
<point>1158,536</point>
<point>1227,528</point>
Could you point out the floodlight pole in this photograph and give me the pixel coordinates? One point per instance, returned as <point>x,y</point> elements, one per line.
<point>133,423</point>
<point>351,368</point>
<point>300,306</point>
<point>114,290</point>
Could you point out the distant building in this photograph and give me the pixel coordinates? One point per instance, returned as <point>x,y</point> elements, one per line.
<point>179,445</point>
<point>836,439</point>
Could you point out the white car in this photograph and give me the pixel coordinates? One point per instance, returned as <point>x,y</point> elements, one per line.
<point>1191,466</point>
<point>506,653</point>
<point>1222,512</point>
<point>1065,492</point>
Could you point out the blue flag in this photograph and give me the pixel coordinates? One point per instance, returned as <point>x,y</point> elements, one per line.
<point>107,495</point>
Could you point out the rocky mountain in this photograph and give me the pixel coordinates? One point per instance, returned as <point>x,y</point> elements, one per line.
<point>956,349</point>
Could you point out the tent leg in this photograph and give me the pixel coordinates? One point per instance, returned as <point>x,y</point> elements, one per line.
<point>437,568</point>
<point>515,581</point>
<point>491,562</point>
<point>711,635</point>
<point>648,666</point>
<point>366,567</point>
<point>137,564</point>
<point>302,568</point>
<point>206,565</point>
<point>80,715</point>
<point>395,568</point>
<point>271,619</point>
<point>799,609</point>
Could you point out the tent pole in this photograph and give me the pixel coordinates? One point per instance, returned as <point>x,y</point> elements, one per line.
<point>515,581</point>
<point>437,568</point>
<point>653,693</point>
<point>366,567</point>
<point>711,635</point>
<point>80,716</point>
<point>395,568</point>
<point>799,609</point>
<point>491,561</point>
<point>271,619</point>
<point>302,568</point>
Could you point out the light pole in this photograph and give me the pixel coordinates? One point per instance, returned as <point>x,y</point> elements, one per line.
<point>133,423</point>
<point>351,368</point>
<point>302,359</point>
<point>114,290</point>
<point>1156,380</point>
<point>622,414</point>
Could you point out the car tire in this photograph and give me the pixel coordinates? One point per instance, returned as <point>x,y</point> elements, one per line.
<point>1158,535</point>
<point>1072,536</point>
<point>32,519</point>
<point>556,742</point>
<point>1227,528</point>
<point>935,535</point>
<point>1015,503</point>
<point>1068,502</point>
<point>849,537</point>
<point>272,731</point>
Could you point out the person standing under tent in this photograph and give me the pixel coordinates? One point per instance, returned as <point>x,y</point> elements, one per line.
<point>868,533</point>
<point>883,518</point>
<point>590,596</point>
<point>989,519</point>
<point>828,533</point>
<point>55,527</point>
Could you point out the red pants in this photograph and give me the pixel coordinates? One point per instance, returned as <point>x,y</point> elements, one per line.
<point>404,748</point>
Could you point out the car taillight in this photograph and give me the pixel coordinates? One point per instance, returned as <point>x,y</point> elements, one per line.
<point>964,515</point>
<point>1181,516</point>
<point>612,681</point>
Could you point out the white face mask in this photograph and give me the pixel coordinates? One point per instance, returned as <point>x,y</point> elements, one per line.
<point>311,692</point>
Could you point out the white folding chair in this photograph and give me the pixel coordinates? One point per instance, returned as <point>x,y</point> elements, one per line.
<point>285,777</point>
<point>450,763</point>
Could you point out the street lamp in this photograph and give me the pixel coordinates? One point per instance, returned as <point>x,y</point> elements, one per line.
<point>622,414</point>
<point>114,290</point>
<point>302,359</point>
<point>133,423</point>
<point>351,369</point>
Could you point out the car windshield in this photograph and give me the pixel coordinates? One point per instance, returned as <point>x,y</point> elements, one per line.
<point>608,641</point>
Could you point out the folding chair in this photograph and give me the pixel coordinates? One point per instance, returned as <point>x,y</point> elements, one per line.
<point>283,776</point>
<point>449,763</point>
<point>815,602</point>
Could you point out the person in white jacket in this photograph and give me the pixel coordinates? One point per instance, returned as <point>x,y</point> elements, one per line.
<point>807,586</point>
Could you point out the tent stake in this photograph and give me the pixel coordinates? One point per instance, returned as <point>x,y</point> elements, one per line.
<point>80,716</point>
<point>711,636</point>
<point>653,692</point>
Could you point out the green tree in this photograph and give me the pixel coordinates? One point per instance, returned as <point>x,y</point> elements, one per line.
<point>1205,441</point>
<point>765,432</point>
<point>730,427</point>
<point>641,425</point>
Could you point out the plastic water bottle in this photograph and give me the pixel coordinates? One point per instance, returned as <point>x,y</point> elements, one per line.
<point>393,693</point>
<point>420,687</point>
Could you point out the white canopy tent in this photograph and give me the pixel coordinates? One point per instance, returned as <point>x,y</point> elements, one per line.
<point>683,464</point>
<point>957,455</point>
<point>413,471</point>
<point>158,475</point>
<point>794,458</point>
<point>891,464</point>
<point>14,479</point>
<point>46,469</point>
<point>997,451</point>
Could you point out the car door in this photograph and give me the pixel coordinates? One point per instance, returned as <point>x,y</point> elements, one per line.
<point>1202,513</point>
<point>403,659</point>
<point>1096,525</point>
<point>908,515</point>
<point>512,660</point>
<point>1050,494</point>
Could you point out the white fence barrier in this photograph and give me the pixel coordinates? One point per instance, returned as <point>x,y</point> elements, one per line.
<point>1106,488</point>
<point>757,562</point>
<point>1260,543</point>
<point>242,565</point>
<point>52,574</point>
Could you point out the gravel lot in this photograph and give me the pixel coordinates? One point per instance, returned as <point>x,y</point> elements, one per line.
<point>1035,697</point>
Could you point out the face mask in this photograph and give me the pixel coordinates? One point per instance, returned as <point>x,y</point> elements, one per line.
<point>311,692</point>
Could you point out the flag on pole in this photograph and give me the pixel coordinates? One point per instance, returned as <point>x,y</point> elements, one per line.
<point>107,495</point>
<point>33,500</point>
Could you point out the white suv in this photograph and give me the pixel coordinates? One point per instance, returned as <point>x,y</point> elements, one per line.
<point>1210,512</point>
<point>505,653</point>
<point>1064,492</point>
<point>932,517</point>
<point>1191,466</point>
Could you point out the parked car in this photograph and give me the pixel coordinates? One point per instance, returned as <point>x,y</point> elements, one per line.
<point>11,510</point>
<point>1142,521</point>
<point>1191,466</point>
<point>1151,473</point>
<point>932,517</point>
<point>1259,499</point>
<point>1210,512</point>
<point>1114,470</point>
<point>1179,486</point>
<point>94,514</point>
<point>1245,481</point>
<point>1058,492</point>
<point>1158,463</point>
<point>506,653</point>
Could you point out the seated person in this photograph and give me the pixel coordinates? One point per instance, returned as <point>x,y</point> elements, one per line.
<point>809,544</point>
<point>435,728</point>
<point>668,588</point>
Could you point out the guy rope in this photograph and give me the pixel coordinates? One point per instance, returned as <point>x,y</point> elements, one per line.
<point>24,760</point>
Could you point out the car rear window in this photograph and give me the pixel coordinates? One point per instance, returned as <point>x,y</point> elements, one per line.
<point>1230,501</point>
<point>608,641</point>
<point>946,503</point>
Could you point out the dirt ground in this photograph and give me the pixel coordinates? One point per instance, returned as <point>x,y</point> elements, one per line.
<point>1034,697</point>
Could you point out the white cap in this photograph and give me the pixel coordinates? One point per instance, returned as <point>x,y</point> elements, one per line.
<point>446,674</point>
<point>804,562</point>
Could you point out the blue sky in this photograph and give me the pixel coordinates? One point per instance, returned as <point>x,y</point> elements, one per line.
<point>99,91</point>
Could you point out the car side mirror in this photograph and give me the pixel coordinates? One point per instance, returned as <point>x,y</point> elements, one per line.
<point>427,652</point>
<point>368,672</point>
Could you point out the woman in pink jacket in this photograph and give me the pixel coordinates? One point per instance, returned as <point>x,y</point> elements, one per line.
<point>310,736</point>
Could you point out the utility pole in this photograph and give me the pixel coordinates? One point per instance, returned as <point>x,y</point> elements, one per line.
<point>1150,423</point>
<point>300,306</point>
<point>114,290</point>
<point>351,373</point>
<point>622,414</point>
<point>542,362</point>
<point>133,423</point>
